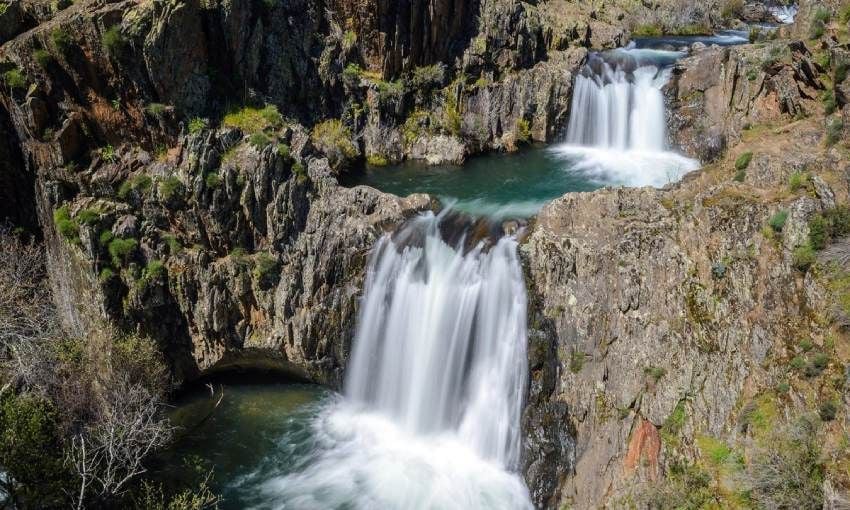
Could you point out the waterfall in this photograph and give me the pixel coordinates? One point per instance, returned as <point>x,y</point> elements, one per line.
<point>617,132</point>
<point>619,110</point>
<point>440,345</point>
<point>430,417</point>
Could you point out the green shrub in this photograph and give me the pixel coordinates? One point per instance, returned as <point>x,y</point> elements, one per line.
<point>821,14</point>
<point>647,30</point>
<point>844,14</point>
<point>829,102</point>
<point>427,77</point>
<point>743,161</point>
<point>786,470</point>
<point>251,120</point>
<point>740,176</point>
<point>783,387</point>
<point>106,274</point>
<point>105,237</point>
<point>66,227</point>
<point>798,363</point>
<point>15,79</point>
<point>732,9</point>
<point>170,187</point>
<point>114,41</point>
<point>833,131</point>
<point>838,221</point>
<point>197,124</point>
<point>349,39</point>
<point>390,90</point>
<point>797,180</point>
<point>673,424</point>
<point>655,373</point>
<point>351,74</point>
<point>283,150</point>
<point>140,183</point>
<point>752,75</point>
<point>828,410</point>
<point>108,153</point>
<point>299,172</point>
<point>334,139</point>
<point>174,246</point>
<point>42,57</point>
<point>62,40</point>
<point>806,345</point>
<point>816,365</point>
<point>377,160</point>
<point>523,130</point>
<point>121,250</point>
<point>818,232</point>
<point>88,217</point>
<point>452,122</point>
<point>212,180</point>
<point>154,270</point>
<point>31,450</point>
<point>816,30</point>
<point>803,257</point>
<point>156,110</point>
<point>259,141</point>
<point>777,221</point>
<point>266,270</point>
<point>840,72</point>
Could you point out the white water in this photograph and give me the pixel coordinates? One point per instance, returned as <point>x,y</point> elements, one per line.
<point>785,14</point>
<point>617,131</point>
<point>435,385</point>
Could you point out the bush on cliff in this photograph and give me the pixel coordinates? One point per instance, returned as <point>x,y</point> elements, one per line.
<point>334,139</point>
<point>252,120</point>
<point>66,227</point>
<point>114,42</point>
<point>121,250</point>
<point>15,79</point>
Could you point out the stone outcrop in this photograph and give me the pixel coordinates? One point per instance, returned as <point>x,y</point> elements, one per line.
<point>675,302</point>
<point>718,92</point>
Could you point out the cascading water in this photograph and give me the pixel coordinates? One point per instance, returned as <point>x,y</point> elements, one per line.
<point>617,129</point>
<point>435,384</point>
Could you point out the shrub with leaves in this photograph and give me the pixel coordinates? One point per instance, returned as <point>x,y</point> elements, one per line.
<point>743,161</point>
<point>777,221</point>
<point>196,125</point>
<point>66,227</point>
<point>334,139</point>
<point>114,42</point>
<point>250,119</point>
<point>121,250</point>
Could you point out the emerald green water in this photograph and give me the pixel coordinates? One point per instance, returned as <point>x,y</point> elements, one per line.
<point>499,185</point>
<point>257,433</point>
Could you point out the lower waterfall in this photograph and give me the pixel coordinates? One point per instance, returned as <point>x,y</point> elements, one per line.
<point>430,417</point>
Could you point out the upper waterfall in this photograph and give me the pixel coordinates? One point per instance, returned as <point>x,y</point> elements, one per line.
<point>617,131</point>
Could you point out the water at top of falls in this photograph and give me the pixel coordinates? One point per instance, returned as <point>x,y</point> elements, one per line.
<point>617,130</point>
<point>435,384</point>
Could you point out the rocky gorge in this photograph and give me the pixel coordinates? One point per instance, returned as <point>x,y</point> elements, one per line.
<point>180,161</point>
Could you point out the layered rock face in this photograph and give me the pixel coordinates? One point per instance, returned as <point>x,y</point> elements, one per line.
<point>672,312</point>
<point>718,92</point>
<point>669,298</point>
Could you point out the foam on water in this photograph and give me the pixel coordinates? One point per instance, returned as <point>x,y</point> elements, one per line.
<point>435,385</point>
<point>617,132</point>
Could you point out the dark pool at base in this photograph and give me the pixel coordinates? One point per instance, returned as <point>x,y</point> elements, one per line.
<point>502,185</point>
<point>259,431</point>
